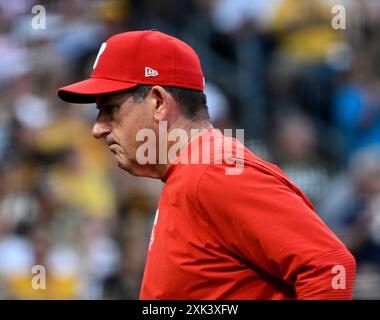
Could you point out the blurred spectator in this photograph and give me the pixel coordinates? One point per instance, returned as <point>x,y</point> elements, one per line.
<point>232,17</point>
<point>356,108</point>
<point>296,152</point>
<point>354,214</point>
<point>218,106</point>
<point>304,30</point>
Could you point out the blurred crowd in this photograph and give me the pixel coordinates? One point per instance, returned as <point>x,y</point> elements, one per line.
<point>307,95</point>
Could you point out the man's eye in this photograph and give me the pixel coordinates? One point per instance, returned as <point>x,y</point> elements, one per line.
<point>110,110</point>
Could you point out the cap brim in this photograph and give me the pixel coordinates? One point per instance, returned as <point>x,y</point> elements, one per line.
<point>87,90</point>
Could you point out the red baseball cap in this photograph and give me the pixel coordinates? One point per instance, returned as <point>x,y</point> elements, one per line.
<point>129,59</point>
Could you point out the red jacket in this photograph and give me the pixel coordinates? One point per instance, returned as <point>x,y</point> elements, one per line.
<point>253,235</point>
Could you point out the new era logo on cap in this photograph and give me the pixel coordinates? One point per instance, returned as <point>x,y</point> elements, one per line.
<point>149,72</point>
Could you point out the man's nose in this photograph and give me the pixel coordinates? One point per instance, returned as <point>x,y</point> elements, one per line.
<point>101,128</point>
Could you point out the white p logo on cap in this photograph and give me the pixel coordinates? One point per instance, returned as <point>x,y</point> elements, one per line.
<point>101,50</point>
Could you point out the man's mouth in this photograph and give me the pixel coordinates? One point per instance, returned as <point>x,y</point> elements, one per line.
<point>111,147</point>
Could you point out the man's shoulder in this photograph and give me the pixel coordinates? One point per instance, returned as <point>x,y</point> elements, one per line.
<point>254,175</point>
<point>226,165</point>
<point>236,163</point>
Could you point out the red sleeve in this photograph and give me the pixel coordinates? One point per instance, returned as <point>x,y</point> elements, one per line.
<point>262,219</point>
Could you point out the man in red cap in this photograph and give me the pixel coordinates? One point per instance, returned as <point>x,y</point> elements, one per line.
<point>249,234</point>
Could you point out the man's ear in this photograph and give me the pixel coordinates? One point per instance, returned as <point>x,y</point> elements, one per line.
<point>163,103</point>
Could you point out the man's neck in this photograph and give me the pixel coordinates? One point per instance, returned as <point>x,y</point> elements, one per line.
<point>191,130</point>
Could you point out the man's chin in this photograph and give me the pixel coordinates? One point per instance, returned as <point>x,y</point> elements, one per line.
<point>129,166</point>
<point>124,165</point>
